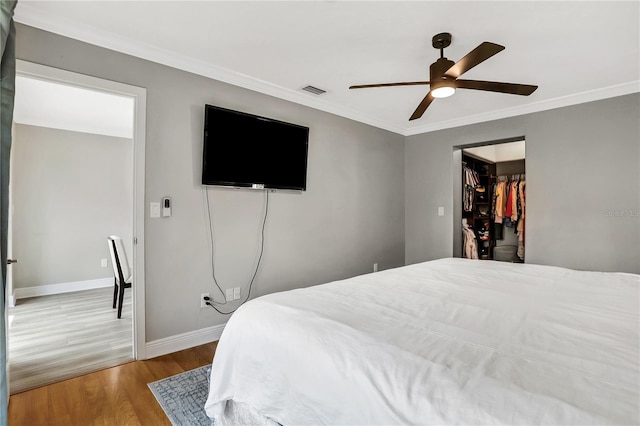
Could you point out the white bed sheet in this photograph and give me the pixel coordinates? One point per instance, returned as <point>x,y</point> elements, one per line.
<point>451,341</point>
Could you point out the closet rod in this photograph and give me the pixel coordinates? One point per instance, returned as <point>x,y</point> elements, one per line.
<point>510,177</point>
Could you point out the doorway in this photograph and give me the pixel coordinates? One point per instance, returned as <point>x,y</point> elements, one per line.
<point>490,201</point>
<point>61,171</point>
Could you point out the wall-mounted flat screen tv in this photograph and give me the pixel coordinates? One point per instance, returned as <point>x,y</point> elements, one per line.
<point>249,151</point>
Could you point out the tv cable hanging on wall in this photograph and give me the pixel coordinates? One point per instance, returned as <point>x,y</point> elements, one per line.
<point>210,301</point>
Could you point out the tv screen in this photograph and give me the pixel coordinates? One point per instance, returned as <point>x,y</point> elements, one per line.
<point>245,150</point>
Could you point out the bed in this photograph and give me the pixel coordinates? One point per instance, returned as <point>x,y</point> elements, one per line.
<point>451,341</point>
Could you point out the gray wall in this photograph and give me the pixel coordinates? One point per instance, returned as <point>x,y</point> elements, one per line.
<point>70,191</point>
<point>372,195</point>
<point>351,215</point>
<point>583,168</point>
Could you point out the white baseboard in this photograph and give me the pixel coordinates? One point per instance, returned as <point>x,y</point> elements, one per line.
<point>183,341</point>
<point>45,290</point>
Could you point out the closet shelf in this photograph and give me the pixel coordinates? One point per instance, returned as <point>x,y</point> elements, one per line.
<point>479,204</point>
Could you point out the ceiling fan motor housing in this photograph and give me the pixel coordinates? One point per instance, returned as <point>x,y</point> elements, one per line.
<point>437,70</point>
<point>444,75</point>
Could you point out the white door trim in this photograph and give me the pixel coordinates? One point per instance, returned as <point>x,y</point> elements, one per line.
<point>139,94</point>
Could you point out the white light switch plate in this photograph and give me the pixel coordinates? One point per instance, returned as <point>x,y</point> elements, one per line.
<point>440,211</point>
<point>154,210</point>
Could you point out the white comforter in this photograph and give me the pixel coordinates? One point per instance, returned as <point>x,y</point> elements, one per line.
<point>451,341</point>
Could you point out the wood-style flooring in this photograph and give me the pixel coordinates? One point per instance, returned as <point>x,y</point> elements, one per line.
<point>115,396</point>
<point>56,337</point>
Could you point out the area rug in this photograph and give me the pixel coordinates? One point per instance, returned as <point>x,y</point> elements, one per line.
<point>182,396</point>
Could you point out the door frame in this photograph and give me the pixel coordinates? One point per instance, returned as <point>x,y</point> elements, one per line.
<point>139,95</point>
<point>457,187</point>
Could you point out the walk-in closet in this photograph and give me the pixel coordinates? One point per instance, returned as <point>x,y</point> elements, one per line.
<point>494,202</point>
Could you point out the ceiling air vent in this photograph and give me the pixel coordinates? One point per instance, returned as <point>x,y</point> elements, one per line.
<point>314,90</point>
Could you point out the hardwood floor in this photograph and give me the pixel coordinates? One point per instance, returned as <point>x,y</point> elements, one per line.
<point>115,396</point>
<point>53,338</point>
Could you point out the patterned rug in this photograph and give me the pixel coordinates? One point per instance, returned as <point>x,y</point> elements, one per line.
<point>182,396</point>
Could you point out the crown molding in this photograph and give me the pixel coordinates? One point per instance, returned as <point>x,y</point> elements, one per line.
<point>29,15</point>
<point>578,98</point>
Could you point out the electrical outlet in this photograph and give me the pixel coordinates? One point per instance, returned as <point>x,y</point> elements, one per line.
<point>229,294</point>
<point>203,303</point>
<point>236,293</point>
<point>103,263</point>
<point>375,267</point>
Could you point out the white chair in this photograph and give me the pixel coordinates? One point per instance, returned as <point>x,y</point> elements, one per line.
<point>121,270</point>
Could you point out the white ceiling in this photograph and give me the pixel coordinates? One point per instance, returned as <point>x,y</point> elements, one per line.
<point>495,153</point>
<point>575,51</point>
<point>60,106</point>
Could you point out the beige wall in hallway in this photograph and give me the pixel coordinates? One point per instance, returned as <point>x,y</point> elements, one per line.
<point>70,191</point>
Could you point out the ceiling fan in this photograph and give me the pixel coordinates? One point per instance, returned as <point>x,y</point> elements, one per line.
<point>443,75</point>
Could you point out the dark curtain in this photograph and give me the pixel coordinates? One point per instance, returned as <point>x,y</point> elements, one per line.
<point>7,87</point>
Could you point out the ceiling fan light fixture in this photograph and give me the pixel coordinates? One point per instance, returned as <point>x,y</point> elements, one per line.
<point>443,91</point>
<point>444,75</point>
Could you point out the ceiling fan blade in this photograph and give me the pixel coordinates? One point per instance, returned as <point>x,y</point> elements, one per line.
<point>495,86</point>
<point>473,58</point>
<point>422,107</point>
<point>406,83</point>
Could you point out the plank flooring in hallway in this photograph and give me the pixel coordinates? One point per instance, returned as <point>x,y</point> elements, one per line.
<point>53,338</point>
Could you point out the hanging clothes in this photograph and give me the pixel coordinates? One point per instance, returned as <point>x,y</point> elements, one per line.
<point>509,208</point>
<point>521,186</point>
<point>501,201</point>
<point>471,181</point>
<point>514,201</point>
<point>520,227</point>
<point>470,245</point>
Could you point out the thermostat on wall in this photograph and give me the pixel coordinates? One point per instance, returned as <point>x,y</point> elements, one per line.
<point>166,207</point>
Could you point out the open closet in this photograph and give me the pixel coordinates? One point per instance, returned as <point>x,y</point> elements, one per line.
<point>494,202</point>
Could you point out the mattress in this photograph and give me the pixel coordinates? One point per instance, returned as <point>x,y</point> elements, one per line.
<point>451,341</point>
